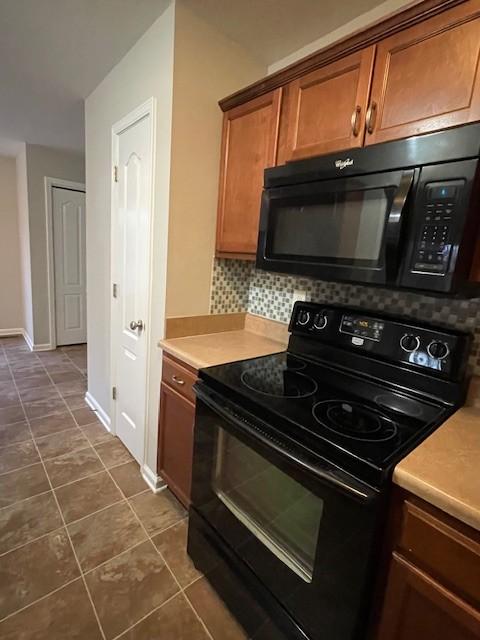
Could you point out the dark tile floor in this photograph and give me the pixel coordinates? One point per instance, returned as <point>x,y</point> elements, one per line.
<point>87,551</point>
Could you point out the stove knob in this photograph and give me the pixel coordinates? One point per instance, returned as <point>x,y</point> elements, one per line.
<point>409,342</point>
<point>320,320</point>
<point>303,317</point>
<point>438,350</point>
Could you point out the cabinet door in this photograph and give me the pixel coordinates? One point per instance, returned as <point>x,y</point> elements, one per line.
<point>175,443</point>
<point>418,608</point>
<point>249,145</point>
<point>427,77</point>
<point>326,108</point>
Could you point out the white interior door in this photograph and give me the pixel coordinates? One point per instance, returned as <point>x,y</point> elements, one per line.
<point>131,260</point>
<point>69,265</point>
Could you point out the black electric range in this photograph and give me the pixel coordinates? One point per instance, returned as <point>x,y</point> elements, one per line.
<point>293,457</point>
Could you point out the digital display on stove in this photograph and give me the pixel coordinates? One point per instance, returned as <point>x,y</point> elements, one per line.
<point>367,328</point>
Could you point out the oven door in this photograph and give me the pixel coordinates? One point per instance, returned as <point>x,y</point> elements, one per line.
<point>347,229</point>
<point>304,528</point>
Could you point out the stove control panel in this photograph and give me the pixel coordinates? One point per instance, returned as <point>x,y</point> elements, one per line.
<point>440,351</point>
<point>362,327</point>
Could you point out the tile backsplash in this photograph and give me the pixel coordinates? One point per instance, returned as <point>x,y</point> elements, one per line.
<point>238,286</point>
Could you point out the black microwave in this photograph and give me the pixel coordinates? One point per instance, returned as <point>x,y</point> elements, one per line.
<point>402,214</point>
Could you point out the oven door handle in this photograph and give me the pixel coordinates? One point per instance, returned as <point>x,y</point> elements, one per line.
<point>394,225</point>
<point>325,472</point>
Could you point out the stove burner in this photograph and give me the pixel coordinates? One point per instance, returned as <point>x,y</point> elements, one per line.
<point>283,381</point>
<point>354,420</point>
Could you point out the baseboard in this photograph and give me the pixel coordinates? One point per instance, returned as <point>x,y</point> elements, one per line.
<point>27,339</point>
<point>101,413</point>
<point>7,333</point>
<point>154,481</point>
<point>47,346</point>
<point>43,347</point>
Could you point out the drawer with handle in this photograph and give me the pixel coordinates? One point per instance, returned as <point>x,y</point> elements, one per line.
<point>178,378</point>
<point>445,549</point>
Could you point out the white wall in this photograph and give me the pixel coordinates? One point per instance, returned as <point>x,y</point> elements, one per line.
<point>24,236</point>
<point>11,303</point>
<point>146,71</point>
<point>55,163</point>
<point>382,11</point>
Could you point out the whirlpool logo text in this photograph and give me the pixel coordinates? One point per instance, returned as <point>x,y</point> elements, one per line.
<point>341,164</point>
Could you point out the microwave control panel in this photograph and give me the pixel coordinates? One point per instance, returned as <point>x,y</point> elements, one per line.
<point>435,243</point>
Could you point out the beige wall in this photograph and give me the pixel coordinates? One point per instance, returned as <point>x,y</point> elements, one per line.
<point>187,67</point>
<point>54,163</point>
<point>207,67</point>
<point>383,10</point>
<point>146,71</point>
<point>11,305</point>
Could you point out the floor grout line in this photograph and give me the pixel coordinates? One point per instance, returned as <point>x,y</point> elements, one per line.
<point>36,495</point>
<point>122,499</point>
<point>170,526</point>
<point>25,544</point>
<point>181,589</point>
<point>117,555</point>
<point>67,484</point>
<point>175,595</point>
<point>47,595</point>
<point>55,433</point>
<point>148,536</point>
<point>6,473</point>
<point>66,530</point>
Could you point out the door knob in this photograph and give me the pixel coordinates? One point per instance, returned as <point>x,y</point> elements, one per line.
<point>136,325</point>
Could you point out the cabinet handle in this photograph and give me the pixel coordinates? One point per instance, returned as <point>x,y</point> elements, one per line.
<point>178,380</point>
<point>356,120</point>
<point>371,116</point>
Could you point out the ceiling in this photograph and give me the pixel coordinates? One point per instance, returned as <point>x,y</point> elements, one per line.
<point>273,29</point>
<point>53,54</point>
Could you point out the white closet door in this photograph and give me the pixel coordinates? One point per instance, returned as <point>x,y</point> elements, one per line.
<point>69,261</point>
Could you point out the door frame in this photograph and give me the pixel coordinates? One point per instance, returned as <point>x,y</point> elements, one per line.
<point>49,184</point>
<point>147,108</point>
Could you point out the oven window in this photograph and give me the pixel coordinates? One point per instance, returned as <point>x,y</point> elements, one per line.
<point>341,227</point>
<point>278,510</point>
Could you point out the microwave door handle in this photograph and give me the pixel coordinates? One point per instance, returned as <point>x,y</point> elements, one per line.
<point>394,224</point>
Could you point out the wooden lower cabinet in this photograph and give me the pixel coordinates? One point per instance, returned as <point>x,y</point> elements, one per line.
<point>433,584</point>
<point>175,434</point>
<point>417,607</point>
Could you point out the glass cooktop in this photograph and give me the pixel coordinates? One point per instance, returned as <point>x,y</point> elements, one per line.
<point>325,408</point>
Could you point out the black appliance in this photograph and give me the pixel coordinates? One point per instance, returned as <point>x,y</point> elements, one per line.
<point>293,454</point>
<point>397,214</point>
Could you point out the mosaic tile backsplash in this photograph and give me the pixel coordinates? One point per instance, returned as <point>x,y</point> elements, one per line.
<point>238,286</point>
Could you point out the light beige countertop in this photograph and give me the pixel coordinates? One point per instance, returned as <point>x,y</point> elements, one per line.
<point>244,337</point>
<point>217,348</point>
<point>444,470</point>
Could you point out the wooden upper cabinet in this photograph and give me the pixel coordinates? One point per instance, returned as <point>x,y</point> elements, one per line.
<point>249,145</point>
<point>325,109</point>
<point>426,78</point>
